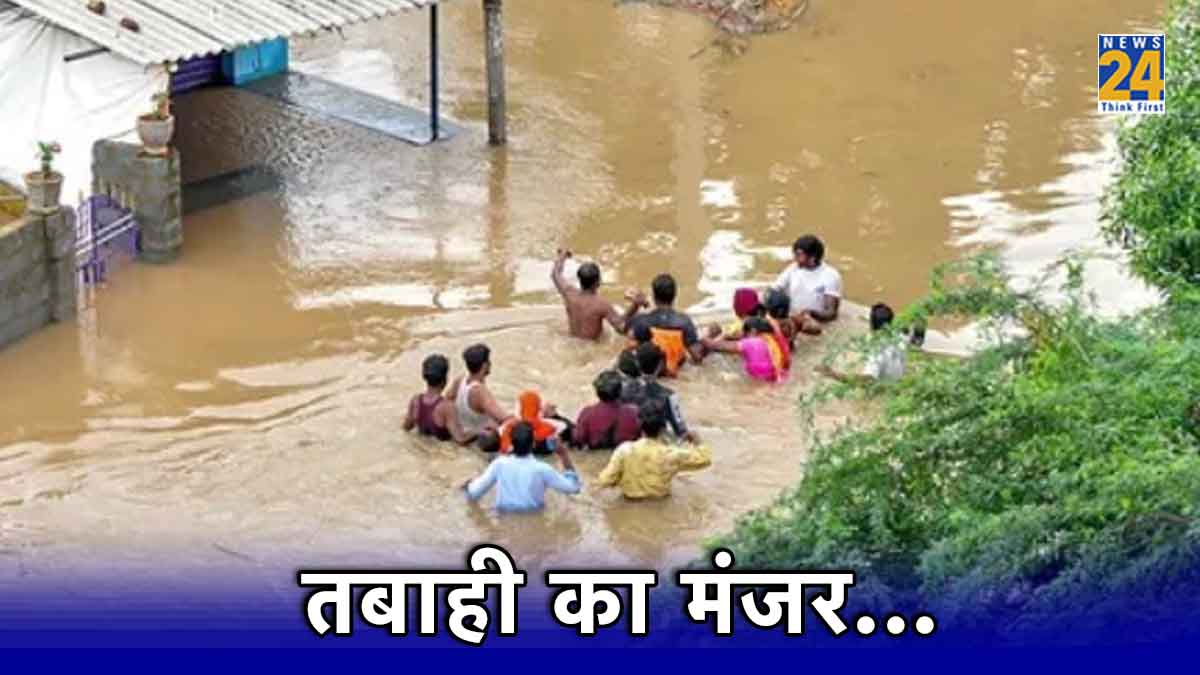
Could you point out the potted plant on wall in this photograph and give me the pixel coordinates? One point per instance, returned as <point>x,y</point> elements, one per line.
<point>44,186</point>
<point>156,128</point>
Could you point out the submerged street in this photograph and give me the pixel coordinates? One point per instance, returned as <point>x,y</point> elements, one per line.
<point>242,406</point>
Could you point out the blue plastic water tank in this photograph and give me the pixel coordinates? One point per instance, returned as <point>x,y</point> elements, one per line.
<point>255,62</point>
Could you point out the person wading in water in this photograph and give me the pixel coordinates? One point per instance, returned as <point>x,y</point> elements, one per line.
<point>431,413</point>
<point>586,309</point>
<point>672,330</point>
<point>476,406</point>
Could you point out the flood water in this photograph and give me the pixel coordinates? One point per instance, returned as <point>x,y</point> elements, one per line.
<point>242,406</point>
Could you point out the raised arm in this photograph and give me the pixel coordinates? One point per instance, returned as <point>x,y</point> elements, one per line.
<point>636,301</point>
<point>556,274</point>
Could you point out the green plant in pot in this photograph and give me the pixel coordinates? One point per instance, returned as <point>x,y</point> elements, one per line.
<point>44,186</point>
<point>156,128</point>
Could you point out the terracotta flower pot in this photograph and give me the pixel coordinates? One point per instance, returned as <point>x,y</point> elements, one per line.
<point>155,133</point>
<point>44,191</point>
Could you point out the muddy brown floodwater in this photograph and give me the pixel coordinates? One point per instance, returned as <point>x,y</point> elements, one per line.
<point>242,406</point>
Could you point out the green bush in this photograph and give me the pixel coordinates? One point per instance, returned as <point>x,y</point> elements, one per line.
<point>1024,481</point>
<point>1154,204</point>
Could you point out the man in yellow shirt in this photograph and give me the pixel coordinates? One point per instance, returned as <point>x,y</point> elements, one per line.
<point>643,469</point>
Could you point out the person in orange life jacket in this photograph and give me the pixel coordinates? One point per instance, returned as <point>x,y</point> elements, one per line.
<point>431,413</point>
<point>673,331</point>
<point>530,411</point>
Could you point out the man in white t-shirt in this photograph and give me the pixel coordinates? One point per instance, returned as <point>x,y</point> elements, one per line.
<point>813,287</point>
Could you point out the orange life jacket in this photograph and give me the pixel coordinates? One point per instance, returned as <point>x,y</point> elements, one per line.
<point>670,341</point>
<point>530,410</point>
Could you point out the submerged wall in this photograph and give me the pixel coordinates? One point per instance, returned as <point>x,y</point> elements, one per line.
<point>37,273</point>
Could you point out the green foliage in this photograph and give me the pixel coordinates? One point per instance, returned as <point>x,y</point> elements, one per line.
<point>1154,205</point>
<point>1049,464</point>
<point>45,154</point>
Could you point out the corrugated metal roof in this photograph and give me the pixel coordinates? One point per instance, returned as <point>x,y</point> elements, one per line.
<point>174,30</point>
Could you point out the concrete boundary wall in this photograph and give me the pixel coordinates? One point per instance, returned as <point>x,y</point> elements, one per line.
<point>37,273</point>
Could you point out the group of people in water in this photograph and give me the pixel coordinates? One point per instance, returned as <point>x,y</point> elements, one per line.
<point>635,415</point>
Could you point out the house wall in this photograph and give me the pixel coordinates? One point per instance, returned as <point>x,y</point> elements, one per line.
<point>37,273</point>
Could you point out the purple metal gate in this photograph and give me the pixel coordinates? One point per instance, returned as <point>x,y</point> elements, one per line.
<point>103,228</point>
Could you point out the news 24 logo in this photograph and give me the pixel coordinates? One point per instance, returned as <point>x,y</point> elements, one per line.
<point>1132,74</point>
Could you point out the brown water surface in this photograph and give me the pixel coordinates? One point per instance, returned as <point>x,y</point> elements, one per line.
<point>242,406</point>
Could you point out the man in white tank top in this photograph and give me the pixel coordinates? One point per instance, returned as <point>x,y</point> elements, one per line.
<point>477,408</point>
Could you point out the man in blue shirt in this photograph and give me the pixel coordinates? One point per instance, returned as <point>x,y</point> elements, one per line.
<point>521,479</point>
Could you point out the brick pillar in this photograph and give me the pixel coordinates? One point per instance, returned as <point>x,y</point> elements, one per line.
<point>23,285</point>
<point>154,185</point>
<point>59,231</point>
<point>37,273</point>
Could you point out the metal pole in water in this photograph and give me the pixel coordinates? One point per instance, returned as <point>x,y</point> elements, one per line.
<point>434,114</point>
<point>494,36</point>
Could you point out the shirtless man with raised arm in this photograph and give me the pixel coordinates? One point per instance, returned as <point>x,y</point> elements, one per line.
<point>586,309</point>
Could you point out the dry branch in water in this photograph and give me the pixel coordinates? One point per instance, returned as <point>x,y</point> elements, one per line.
<point>743,17</point>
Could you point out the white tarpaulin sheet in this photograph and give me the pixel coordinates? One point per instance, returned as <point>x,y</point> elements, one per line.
<point>44,98</point>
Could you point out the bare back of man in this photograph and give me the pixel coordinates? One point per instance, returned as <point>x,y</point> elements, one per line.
<point>587,310</point>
